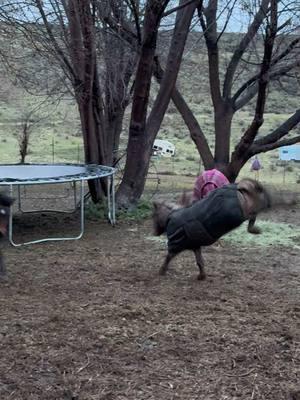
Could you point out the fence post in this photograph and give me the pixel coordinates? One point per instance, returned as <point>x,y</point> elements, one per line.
<point>53,152</point>
<point>78,154</point>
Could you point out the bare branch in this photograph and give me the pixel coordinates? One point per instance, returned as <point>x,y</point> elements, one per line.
<point>64,61</point>
<point>272,146</point>
<point>281,131</point>
<point>287,51</point>
<point>210,35</point>
<point>227,19</point>
<point>187,115</point>
<point>252,30</point>
<point>173,10</point>
<point>136,17</point>
<point>263,81</point>
<point>251,87</point>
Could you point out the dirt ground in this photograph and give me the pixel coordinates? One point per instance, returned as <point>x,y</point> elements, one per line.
<point>91,319</point>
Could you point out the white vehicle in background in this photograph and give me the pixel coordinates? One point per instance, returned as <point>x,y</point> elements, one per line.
<point>163,148</point>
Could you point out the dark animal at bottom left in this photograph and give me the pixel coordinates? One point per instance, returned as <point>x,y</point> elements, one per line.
<point>5,203</point>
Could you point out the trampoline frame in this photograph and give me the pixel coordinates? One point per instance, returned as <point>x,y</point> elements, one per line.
<point>93,171</point>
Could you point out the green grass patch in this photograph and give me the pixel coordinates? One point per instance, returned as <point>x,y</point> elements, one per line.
<point>99,211</point>
<point>273,234</point>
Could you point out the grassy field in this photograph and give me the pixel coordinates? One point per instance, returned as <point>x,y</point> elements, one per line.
<point>56,141</point>
<point>56,138</point>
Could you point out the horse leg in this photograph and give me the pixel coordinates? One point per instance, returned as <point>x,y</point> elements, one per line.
<point>251,226</point>
<point>200,263</point>
<point>165,266</point>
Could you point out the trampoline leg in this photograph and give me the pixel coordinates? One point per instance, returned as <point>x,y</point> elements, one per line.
<point>19,198</point>
<point>81,209</point>
<point>75,194</point>
<point>10,230</point>
<point>111,200</point>
<point>10,222</point>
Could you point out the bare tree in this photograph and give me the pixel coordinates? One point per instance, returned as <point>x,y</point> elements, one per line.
<point>144,127</point>
<point>101,47</point>
<point>279,56</point>
<point>32,115</point>
<point>71,37</point>
<point>265,53</point>
<point>24,136</point>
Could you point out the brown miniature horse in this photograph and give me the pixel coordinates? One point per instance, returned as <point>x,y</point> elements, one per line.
<point>205,221</point>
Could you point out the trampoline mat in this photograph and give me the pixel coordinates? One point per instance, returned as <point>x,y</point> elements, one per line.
<point>42,173</point>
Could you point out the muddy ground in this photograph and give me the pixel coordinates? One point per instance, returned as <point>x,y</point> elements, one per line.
<point>91,319</point>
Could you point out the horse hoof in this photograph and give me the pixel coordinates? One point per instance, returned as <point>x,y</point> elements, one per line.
<point>255,230</point>
<point>201,277</point>
<point>162,272</point>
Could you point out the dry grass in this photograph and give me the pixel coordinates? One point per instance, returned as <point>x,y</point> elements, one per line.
<point>93,320</point>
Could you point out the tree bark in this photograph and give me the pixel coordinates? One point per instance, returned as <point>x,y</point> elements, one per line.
<point>136,163</point>
<point>142,134</point>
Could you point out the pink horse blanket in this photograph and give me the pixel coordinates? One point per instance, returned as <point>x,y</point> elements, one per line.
<point>208,181</point>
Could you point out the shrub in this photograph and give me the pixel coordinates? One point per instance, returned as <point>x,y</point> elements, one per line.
<point>191,158</point>
<point>178,135</point>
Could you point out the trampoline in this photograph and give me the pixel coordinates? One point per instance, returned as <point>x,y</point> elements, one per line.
<point>17,175</point>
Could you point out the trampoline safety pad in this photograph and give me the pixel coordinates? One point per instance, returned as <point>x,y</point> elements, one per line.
<point>28,174</point>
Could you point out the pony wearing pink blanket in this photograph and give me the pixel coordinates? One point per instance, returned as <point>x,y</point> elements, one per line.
<point>205,183</point>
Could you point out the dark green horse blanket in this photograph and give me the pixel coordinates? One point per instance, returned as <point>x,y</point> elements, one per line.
<point>205,221</point>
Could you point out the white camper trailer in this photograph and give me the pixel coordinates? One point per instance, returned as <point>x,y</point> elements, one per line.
<point>163,148</point>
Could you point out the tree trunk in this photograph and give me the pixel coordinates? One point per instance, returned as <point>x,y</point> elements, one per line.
<point>91,144</point>
<point>142,134</point>
<point>223,121</point>
<point>195,130</point>
<point>232,170</point>
<point>138,151</point>
<point>114,130</point>
<point>88,97</point>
